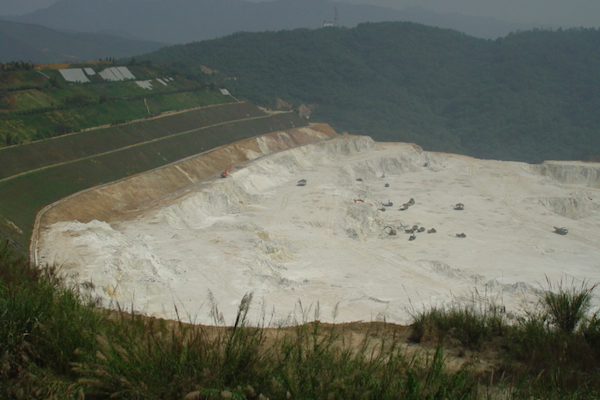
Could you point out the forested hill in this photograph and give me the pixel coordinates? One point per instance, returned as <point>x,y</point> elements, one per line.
<point>530,96</point>
<point>28,42</point>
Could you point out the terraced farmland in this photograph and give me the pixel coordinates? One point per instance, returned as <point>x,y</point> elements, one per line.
<point>40,173</point>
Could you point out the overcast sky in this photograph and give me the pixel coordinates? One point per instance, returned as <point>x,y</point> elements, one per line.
<point>564,13</point>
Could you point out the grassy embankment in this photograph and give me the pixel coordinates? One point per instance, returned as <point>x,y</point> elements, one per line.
<point>56,343</point>
<point>53,169</point>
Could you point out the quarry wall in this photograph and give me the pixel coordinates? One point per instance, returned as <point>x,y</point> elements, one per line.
<point>123,198</point>
<point>571,172</point>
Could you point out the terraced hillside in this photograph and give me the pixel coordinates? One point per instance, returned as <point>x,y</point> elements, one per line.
<point>40,154</point>
<point>35,174</point>
<point>37,102</point>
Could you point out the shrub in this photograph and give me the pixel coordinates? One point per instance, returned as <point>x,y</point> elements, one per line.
<point>567,306</point>
<point>469,324</point>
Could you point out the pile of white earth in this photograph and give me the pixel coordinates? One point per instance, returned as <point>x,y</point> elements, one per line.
<point>326,245</point>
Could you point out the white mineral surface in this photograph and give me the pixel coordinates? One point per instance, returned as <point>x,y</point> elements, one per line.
<point>325,246</point>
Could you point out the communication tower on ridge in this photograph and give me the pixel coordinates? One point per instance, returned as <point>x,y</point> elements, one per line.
<point>329,24</point>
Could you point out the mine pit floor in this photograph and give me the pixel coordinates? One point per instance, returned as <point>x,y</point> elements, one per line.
<point>323,250</point>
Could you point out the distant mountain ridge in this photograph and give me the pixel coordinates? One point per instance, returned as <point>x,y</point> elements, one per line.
<point>182,21</point>
<point>29,42</point>
<point>531,96</point>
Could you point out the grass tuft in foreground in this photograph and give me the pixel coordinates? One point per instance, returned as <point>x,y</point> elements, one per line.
<point>567,307</point>
<point>468,324</point>
<point>553,352</point>
<point>45,325</point>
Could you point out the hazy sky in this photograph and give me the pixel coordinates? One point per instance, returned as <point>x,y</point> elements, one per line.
<point>564,13</point>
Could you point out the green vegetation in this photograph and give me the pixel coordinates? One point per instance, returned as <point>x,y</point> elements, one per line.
<point>43,125</point>
<point>40,104</point>
<point>158,142</point>
<point>39,154</point>
<point>17,66</point>
<point>567,307</point>
<point>552,352</point>
<point>530,96</point>
<point>55,342</point>
<point>477,326</point>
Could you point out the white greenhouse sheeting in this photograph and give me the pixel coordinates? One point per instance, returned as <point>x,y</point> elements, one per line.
<point>225,92</point>
<point>145,84</point>
<point>89,71</point>
<point>73,75</point>
<point>108,75</point>
<point>161,81</point>
<point>125,72</point>
<point>116,74</point>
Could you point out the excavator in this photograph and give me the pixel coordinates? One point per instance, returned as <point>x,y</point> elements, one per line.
<point>225,173</point>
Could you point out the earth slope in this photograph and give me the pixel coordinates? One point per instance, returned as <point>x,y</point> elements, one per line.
<point>325,245</point>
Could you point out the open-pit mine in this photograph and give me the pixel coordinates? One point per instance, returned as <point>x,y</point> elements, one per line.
<point>336,227</point>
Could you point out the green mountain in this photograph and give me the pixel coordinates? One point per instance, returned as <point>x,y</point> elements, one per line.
<point>38,44</point>
<point>530,96</point>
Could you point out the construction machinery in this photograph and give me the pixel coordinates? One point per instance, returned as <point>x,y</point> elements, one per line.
<point>415,228</point>
<point>225,173</point>
<point>391,230</point>
<point>406,205</point>
<point>561,231</point>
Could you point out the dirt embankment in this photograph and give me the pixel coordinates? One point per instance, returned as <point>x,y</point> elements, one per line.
<point>131,194</point>
<point>571,172</point>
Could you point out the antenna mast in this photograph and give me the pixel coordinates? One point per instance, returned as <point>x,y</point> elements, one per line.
<point>335,18</point>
